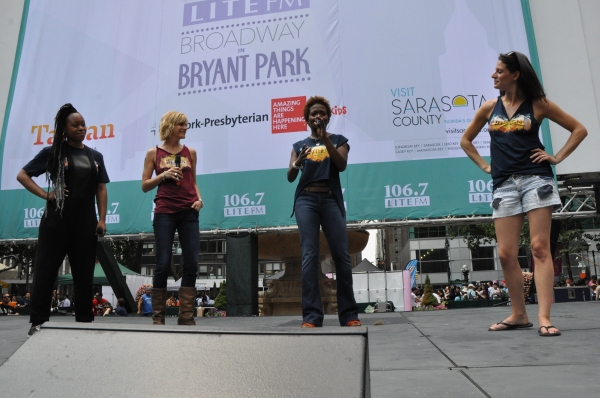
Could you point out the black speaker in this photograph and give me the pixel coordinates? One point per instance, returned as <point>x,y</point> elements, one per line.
<point>242,274</point>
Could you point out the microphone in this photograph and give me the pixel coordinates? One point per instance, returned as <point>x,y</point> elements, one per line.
<point>319,122</point>
<point>99,231</point>
<point>178,164</point>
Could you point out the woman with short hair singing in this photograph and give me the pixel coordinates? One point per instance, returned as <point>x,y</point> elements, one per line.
<point>523,179</point>
<point>77,180</point>
<point>178,203</point>
<point>318,203</point>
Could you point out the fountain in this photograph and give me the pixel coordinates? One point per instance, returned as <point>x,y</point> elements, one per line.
<point>284,295</point>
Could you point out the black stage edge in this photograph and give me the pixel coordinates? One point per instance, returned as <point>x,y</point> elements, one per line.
<point>113,274</point>
<point>112,361</point>
<point>242,274</point>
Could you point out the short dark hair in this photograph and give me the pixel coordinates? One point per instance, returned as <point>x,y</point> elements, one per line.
<point>528,80</point>
<point>316,100</point>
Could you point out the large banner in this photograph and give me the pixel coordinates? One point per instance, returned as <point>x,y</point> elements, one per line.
<point>404,79</point>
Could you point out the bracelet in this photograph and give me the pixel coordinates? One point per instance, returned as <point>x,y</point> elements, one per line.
<point>297,167</point>
<point>163,177</point>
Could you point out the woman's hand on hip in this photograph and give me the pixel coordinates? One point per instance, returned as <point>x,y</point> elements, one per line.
<point>539,156</point>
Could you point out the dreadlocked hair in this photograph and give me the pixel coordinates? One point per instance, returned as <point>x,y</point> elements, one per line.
<point>55,170</point>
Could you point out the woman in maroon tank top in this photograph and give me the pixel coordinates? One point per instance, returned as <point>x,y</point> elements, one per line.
<point>178,203</point>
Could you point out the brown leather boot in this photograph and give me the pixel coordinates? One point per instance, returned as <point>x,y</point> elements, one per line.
<point>159,302</point>
<point>187,299</point>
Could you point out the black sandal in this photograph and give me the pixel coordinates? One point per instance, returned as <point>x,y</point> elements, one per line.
<point>547,330</point>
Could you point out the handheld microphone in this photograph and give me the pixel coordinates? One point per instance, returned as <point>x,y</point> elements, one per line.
<point>178,164</point>
<point>99,231</point>
<point>319,122</point>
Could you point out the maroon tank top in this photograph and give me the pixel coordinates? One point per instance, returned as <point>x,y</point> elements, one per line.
<point>171,197</point>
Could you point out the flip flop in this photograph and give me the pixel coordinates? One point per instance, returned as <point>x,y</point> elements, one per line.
<point>510,326</point>
<point>548,334</point>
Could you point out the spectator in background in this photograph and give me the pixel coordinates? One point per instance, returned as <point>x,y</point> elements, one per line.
<point>14,302</point>
<point>66,302</point>
<point>482,293</point>
<point>120,308</point>
<point>496,292</point>
<point>26,300</point>
<point>416,301</point>
<point>98,304</point>
<point>107,308</point>
<point>145,303</point>
<point>172,301</point>
<point>5,308</point>
<point>471,295</point>
<point>451,295</point>
<point>457,294</point>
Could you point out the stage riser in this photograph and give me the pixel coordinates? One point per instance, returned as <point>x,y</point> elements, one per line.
<point>74,363</point>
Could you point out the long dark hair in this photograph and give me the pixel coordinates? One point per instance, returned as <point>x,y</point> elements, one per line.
<point>55,168</point>
<point>528,80</point>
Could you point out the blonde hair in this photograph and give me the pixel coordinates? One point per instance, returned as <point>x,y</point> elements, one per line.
<point>168,123</point>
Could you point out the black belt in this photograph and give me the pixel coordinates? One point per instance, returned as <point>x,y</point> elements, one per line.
<point>317,189</point>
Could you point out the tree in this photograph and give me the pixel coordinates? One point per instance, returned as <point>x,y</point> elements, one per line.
<point>571,238</point>
<point>221,300</point>
<point>25,255</point>
<point>128,253</point>
<point>428,298</point>
<point>475,235</point>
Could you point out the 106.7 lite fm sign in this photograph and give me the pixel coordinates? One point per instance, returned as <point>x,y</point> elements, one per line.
<point>242,71</point>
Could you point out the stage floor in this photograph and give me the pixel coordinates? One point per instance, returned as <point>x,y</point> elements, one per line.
<point>429,354</point>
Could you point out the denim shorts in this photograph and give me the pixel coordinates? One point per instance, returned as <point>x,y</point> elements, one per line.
<point>522,193</point>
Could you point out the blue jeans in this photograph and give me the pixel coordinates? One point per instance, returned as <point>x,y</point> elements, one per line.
<point>187,224</point>
<point>315,209</point>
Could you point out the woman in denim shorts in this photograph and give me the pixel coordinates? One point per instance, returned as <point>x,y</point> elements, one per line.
<point>523,179</point>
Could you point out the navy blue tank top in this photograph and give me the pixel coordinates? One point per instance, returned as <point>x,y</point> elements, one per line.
<point>512,140</point>
<point>318,167</point>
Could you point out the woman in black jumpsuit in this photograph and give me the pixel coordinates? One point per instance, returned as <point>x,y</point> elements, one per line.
<point>76,177</point>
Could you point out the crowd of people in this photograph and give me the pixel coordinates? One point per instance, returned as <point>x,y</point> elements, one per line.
<point>11,304</point>
<point>591,282</point>
<point>472,291</point>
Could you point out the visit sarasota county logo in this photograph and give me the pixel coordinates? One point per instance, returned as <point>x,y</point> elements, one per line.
<point>200,12</point>
<point>408,108</point>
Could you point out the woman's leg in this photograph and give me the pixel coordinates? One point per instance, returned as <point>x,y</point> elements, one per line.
<point>539,224</point>
<point>309,222</point>
<point>49,256</point>
<point>164,232</point>
<point>508,230</point>
<point>188,229</point>
<point>82,257</point>
<point>334,228</point>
